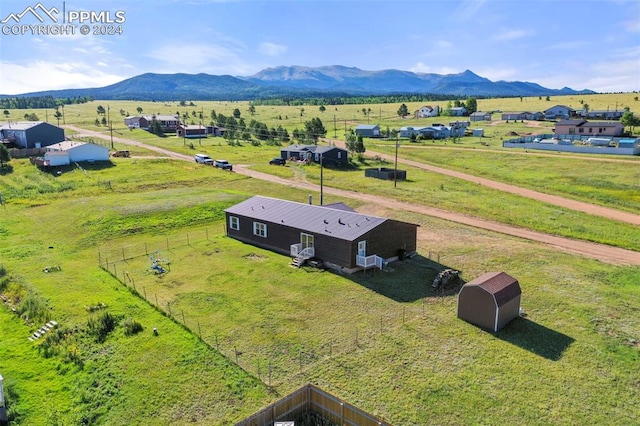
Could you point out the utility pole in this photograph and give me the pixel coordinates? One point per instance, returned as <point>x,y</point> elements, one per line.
<point>335,134</point>
<point>110,124</point>
<point>321,181</point>
<point>395,171</point>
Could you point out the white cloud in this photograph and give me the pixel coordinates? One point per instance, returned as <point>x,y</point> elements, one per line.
<point>41,75</point>
<point>271,49</point>
<point>423,68</point>
<point>195,58</point>
<point>497,74</point>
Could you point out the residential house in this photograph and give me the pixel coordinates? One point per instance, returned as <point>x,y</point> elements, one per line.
<point>490,301</point>
<point>587,128</point>
<point>329,155</point>
<point>522,115</point>
<point>168,123</point>
<point>480,116</point>
<point>559,112</point>
<point>435,131</point>
<point>458,111</point>
<point>602,114</point>
<point>427,111</point>
<point>192,131</point>
<point>31,134</point>
<point>368,130</point>
<point>340,239</point>
<point>67,152</point>
<point>215,130</point>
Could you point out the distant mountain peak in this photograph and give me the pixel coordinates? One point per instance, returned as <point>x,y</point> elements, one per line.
<point>304,81</point>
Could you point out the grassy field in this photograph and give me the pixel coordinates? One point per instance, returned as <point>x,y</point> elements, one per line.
<point>237,327</point>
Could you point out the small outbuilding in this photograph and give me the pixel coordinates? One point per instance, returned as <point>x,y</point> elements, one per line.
<point>490,301</point>
<point>386,173</point>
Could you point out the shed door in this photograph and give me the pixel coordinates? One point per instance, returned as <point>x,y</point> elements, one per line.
<point>306,240</point>
<point>362,248</point>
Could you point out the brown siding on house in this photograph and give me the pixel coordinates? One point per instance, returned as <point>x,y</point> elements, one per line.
<point>390,237</point>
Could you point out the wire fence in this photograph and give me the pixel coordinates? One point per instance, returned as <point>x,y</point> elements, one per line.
<point>274,363</point>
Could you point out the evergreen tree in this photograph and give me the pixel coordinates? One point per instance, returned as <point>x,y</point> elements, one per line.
<point>4,155</point>
<point>403,111</point>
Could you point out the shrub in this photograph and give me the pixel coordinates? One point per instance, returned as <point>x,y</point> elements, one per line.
<point>99,327</point>
<point>132,327</point>
<point>33,308</point>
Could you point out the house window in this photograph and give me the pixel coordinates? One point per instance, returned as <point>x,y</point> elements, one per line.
<point>580,130</point>
<point>572,130</point>
<point>590,129</point>
<point>339,154</point>
<point>234,223</point>
<point>260,229</point>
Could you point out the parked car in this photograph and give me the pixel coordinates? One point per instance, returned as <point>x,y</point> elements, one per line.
<point>223,164</point>
<point>278,161</point>
<point>203,159</point>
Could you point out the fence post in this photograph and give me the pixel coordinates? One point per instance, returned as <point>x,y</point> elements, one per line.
<point>183,320</point>
<point>123,254</point>
<point>169,307</point>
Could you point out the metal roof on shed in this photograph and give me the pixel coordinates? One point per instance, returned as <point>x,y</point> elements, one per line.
<point>325,220</point>
<point>503,286</point>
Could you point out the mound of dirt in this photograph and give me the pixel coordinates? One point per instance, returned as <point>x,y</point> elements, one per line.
<point>512,134</point>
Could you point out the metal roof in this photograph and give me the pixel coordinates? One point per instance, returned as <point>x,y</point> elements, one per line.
<point>319,220</point>
<point>21,125</point>
<point>501,285</point>
<point>367,126</point>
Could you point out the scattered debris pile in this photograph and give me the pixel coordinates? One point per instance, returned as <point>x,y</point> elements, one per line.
<point>446,279</point>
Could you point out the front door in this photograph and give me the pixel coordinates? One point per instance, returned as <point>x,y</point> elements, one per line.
<point>306,240</point>
<point>362,248</point>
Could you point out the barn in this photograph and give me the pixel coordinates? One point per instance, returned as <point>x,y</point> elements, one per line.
<point>490,301</point>
<point>340,239</point>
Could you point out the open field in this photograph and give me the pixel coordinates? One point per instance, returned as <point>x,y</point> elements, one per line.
<point>237,327</point>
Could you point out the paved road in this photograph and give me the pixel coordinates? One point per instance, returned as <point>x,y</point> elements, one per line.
<point>602,252</point>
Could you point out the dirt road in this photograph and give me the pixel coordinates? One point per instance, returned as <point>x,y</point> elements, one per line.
<point>602,252</point>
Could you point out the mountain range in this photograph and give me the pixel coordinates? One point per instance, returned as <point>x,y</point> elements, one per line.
<point>300,81</point>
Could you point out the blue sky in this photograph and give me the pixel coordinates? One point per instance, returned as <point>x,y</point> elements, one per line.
<point>587,44</point>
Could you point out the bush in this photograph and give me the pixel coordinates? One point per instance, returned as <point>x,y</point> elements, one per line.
<point>132,327</point>
<point>33,308</point>
<point>100,327</point>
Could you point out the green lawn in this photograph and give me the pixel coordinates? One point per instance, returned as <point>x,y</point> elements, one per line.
<point>237,328</point>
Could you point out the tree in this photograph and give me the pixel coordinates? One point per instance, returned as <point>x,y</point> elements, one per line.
<point>183,103</point>
<point>214,117</point>
<point>104,121</point>
<point>100,110</point>
<point>547,98</point>
<point>630,120</point>
<point>301,112</point>
<point>6,113</point>
<point>236,113</point>
<point>403,111</point>
<point>252,110</point>
<point>351,141</point>
<point>139,109</point>
<point>314,129</point>
<point>359,148</point>
<point>97,122</point>
<point>156,127</point>
<point>4,155</point>
<point>471,105</point>
<point>57,115</point>
<point>322,108</point>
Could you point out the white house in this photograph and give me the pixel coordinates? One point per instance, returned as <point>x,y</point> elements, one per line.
<point>427,111</point>
<point>67,152</point>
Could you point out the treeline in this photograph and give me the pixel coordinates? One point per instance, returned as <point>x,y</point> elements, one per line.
<point>355,100</point>
<point>41,102</point>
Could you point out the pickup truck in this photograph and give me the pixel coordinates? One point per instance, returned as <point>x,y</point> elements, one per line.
<point>223,164</point>
<point>203,159</point>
